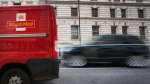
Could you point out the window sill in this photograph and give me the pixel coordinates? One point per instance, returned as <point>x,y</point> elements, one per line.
<point>74,39</point>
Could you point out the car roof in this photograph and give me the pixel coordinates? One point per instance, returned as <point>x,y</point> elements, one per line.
<point>116,35</point>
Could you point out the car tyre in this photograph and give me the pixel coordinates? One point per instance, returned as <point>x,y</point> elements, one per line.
<point>76,61</point>
<point>136,61</point>
<point>15,76</point>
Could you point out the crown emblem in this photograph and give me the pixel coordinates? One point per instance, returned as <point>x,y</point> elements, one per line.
<point>21,16</point>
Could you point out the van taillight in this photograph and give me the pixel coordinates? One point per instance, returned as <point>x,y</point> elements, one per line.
<point>56,47</point>
<point>55,50</point>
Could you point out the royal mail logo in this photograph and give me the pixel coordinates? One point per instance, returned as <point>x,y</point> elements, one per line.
<point>21,17</point>
<point>20,24</point>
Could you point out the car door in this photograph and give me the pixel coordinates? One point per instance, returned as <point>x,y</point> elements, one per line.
<point>120,44</point>
<point>105,47</point>
<point>90,51</point>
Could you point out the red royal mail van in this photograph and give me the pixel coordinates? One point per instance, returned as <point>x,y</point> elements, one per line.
<point>27,44</point>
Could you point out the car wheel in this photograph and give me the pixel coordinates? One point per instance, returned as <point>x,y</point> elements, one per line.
<point>136,61</point>
<point>15,76</point>
<point>76,61</point>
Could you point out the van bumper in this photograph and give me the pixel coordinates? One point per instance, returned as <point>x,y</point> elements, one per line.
<point>43,69</point>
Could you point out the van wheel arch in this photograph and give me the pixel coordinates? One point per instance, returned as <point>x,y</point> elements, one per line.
<point>15,75</point>
<point>14,65</point>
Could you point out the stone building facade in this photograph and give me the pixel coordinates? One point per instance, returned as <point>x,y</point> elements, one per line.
<point>96,17</point>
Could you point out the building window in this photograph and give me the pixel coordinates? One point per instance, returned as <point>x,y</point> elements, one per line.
<point>93,0</point>
<point>95,30</point>
<point>140,14</point>
<point>113,29</point>
<point>123,0</point>
<point>55,10</point>
<point>74,12</point>
<point>112,13</point>
<point>124,30</point>
<point>139,1</point>
<point>142,32</point>
<point>74,32</point>
<point>29,2</point>
<point>94,12</point>
<point>17,3</point>
<point>123,13</point>
<point>116,0</point>
<point>109,0</point>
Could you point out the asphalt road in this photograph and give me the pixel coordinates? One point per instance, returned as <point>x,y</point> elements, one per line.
<point>101,74</point>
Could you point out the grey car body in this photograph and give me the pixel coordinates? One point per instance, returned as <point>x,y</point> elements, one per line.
<point>107,48</point>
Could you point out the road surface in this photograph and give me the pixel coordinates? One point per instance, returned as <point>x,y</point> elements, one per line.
<point>101,74</point>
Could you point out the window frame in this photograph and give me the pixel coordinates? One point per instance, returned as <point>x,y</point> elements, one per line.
<point>94,14</point>
<point>116,0</point>
<point>109,0</point>
<point>140,16</point>
<point>74,10</point>
<point>95,33</point>
<point>142,34</point>
<point>123,0</point>
<point>139,1</point>
<point>76,35</point>
<point>126,29</point>
<point>123,15</point>
<point>115,28</point>
<point>17,4</point>
<point>113,14</point>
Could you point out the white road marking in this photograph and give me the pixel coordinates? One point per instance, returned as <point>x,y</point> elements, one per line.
<point>91,68</point>
<point>83,68</point>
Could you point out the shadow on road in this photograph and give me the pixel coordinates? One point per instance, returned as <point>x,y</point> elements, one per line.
<point>100,65</point>
<point>43,82</point>
<point>96,65</point>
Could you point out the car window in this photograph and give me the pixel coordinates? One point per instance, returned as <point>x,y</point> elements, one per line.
<point>134,40</point>
<point>119,38</point>
<point>112,39</point>
<point>107,38</point>
<point>104,40</point>
<point>127,40</point>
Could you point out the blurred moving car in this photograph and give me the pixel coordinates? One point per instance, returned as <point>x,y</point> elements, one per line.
<point>128,49</point>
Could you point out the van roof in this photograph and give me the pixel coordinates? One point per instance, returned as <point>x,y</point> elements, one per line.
<point>24,7</point>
